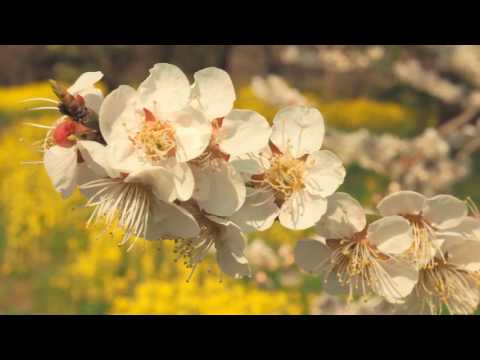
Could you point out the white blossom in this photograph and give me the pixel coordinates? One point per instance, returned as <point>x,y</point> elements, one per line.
<point>220,189</point>
<point>215,232</point>
<point>361,258</point>
<point>452,279</point>
<point>292,176</point>
<point>67,158</point>
<point>85,87</point>
<point>426,216</point>
<point>153,131</point>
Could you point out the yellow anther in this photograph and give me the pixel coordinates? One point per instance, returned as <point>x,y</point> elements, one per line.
<point>156,139</point>
<point>286,175</point>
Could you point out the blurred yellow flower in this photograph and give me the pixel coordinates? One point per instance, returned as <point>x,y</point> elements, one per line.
<point>352,114</point>
<point>11,97</point>
<point>348,114</point>
<point>277,235</point>
<point>208,296</point>
<point>36,219</point>
<point>246,99</point>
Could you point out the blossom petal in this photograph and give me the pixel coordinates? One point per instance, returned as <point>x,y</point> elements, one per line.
<point>250,164</point>
<point>233,239</point>
<point>84,175</point>
<point>122,157</point>
<point>414,305</point>
<point>391,235</point>
<point>61,166</point>
<point>85,87</point>
<point>298,129</point>
<point>344,217</point>
<point>166,90</point>
<point>170,221</point>
<point>402,203</point>
<point>219,220</point>
<point>257,213</point>
<point>244,131</point>
<point>184,182</point>
<point>94,155</point>
<point>219,191</point>
<point>236,267</point>
<point>93,98</point>
<point>465,255</point>
<point>326,173</point>
<point>85,81</point>
<point>230,252</point>
<point>160,180</point>
<point>462,244</point>
<point>445,211</point>
<point>113,111</point>
<point>468,228</point>
<point>310,255</point>
<point>214,91</point>
<point>398,281</point>
<point>192,133</point>
<point>302,210</point>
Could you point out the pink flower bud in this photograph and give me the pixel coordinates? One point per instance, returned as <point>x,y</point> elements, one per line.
<point>62,133</point>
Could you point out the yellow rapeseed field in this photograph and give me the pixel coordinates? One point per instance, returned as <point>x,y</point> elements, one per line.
<point>347,114</point>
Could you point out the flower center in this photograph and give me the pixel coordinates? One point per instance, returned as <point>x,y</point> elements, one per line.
<point>212,155</point>
<point>127,203</point>
<point>443,284</point>
<point>193,251</point>
<point>156,139</point>
<point>423,248</point>
<point>286,175</point>
<point>357,265</point>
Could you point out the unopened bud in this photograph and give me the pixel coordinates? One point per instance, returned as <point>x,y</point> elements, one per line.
<point>58,89</point>
<point>62,135</point>
<point>67,132</point>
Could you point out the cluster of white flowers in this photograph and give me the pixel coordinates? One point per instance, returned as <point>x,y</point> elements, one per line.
<point>327,304</point>
<point>332,58</point>
<point>276,91</point>
<point>412,72</point>
<point>427,163</point>
<point>174,160</point>
<point>465,60</point>
<point>421,254</point>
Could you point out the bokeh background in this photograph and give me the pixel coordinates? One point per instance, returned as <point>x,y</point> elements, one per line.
<point>401,117</point>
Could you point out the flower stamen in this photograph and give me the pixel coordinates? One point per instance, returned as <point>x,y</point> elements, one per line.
<point>193,251</point>
<point>285,176</point>
<point>444,284</point>
<point>423,248</point>
<point>156,139</point>
<point>129,203</point>
<point>357,265</point>
<point>212,156</point>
